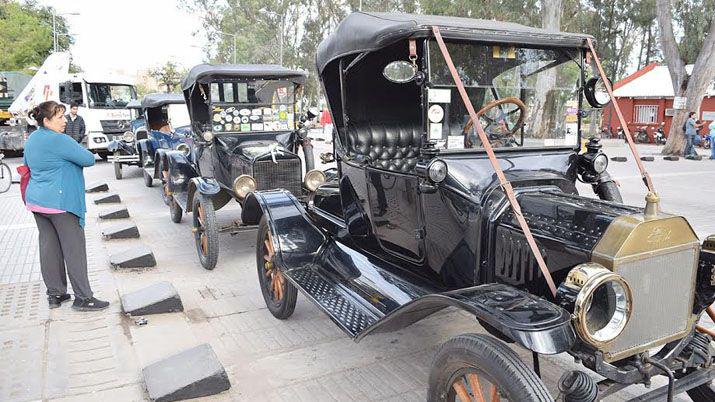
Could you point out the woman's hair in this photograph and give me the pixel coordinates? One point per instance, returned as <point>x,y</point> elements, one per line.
<point>46,110</point>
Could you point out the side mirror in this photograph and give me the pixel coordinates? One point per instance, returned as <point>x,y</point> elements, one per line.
<point>400,71</point>
<point>596,93</point>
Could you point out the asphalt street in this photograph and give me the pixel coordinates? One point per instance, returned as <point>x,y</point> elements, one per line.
<point>65,355</point>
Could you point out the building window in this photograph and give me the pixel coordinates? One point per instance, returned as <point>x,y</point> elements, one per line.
<point>646,114</point>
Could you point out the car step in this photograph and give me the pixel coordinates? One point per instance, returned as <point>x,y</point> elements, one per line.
<point>334,300</point>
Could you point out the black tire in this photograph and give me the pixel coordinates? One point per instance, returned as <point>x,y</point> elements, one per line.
<point>280,305</point>
<point>488,359</point>
<point>203,221</point>
<point>608,191</point>
<point>5,177</point>
<point>705,392</point>
<point>148,179</point>
<point>308,155</point>
<point>175,210</point>
<point>117,168</point>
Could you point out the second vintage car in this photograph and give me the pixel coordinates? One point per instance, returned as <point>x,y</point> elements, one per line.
<point>247,129</point>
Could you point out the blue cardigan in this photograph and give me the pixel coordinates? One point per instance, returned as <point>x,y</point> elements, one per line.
<point>56,180</point>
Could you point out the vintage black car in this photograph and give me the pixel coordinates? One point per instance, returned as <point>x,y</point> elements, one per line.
<point>167,127</point>
<point>424,215</point>
<point>160,121</point>
<point>248,127</point>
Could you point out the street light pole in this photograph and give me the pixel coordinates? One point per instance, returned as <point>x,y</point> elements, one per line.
<point>55,36</point>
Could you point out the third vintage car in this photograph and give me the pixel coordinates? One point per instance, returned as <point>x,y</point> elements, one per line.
<point>247,127</point>
<point>457,165</point>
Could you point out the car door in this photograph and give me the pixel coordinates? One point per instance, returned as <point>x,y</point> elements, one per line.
<point>394,204</point>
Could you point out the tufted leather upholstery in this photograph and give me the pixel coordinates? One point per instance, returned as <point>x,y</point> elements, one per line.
<point>391,146</point>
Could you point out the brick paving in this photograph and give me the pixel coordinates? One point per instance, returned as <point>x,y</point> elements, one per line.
<point>69,356</point>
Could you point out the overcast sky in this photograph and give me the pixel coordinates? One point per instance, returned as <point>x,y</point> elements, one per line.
<point>130,35</point>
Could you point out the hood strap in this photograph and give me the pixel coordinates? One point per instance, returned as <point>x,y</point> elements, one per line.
<point>508,190</point>
<point>646,177</point>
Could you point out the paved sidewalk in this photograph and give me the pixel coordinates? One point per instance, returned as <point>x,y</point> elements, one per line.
<point>64,355</point>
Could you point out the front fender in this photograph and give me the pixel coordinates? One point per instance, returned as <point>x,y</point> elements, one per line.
<point>208,187</point>
<point>181,171</point>
<point>146,152</point>
<point>160,162</point>
<point>532,322</point>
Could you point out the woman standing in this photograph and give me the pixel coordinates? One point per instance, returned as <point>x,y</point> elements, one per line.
<point>55,195</point>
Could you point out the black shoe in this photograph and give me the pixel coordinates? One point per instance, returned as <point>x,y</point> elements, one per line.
<point>56,301</point>
<point>90,304</point>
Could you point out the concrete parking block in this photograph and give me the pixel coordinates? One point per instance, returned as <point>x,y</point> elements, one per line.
<point>96,188</point>
<point>108,199</point>
<point>648,158</point>
<point>190,374</point>
<point>126,230</point>
<point>619,159</point>
<point>135,257</point>
<point>115,213</point>
<point>671,158</point>
<point>158,298</point>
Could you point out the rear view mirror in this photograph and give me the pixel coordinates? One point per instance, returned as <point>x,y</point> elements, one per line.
<point>400,71</point>
<point>596,93</point>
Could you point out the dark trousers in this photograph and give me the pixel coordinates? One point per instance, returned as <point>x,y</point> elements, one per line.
<point>62,244</point>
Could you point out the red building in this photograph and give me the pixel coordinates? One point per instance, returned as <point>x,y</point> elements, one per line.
<point>646,100</point>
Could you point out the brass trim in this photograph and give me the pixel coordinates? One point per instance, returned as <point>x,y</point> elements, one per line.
<point>609,357</point>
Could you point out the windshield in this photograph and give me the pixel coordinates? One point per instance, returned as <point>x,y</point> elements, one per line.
<point>544,83</point>
<point>110,96</point>
<point>252,106</point>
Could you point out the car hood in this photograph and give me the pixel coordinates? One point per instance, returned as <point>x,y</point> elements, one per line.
<point>472,174</point>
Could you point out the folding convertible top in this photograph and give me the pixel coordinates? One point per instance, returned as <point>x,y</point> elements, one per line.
<point>161,99</point>
<point>363,32</point>
<point>203,73</point>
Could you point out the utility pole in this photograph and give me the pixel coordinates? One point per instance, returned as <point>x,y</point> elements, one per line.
<point>234,43</point>
<point>55,36</point>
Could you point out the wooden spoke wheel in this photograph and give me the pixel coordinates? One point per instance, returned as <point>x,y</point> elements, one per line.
<point>278,292</point>
<point>476,367</point>
<point>205,231</point>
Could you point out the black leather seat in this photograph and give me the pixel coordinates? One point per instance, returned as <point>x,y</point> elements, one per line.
<point>392,146</point>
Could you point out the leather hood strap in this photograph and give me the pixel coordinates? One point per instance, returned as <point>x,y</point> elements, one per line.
<point>646,177</point>
<point>508,190</point>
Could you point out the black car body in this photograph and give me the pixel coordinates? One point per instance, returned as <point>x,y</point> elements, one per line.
<point>385,245</point>
<point>248,131</point>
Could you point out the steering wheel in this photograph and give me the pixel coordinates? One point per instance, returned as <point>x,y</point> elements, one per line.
<point>497,129</point>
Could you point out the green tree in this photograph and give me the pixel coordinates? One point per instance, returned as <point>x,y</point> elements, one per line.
<point>169,75</point>
<point>26,34</point>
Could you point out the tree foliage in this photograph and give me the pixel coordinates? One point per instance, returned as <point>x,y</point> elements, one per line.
<point>169,75</point>
<point>626,31</point>
<point>26,34</point>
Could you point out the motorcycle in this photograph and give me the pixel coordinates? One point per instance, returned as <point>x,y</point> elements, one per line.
<point>642,136</point>
<point>659,136</point>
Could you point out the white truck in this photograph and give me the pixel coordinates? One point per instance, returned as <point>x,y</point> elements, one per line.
<point>102,99</point>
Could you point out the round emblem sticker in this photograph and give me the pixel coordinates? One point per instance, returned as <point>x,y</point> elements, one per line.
<point>244,119</point>
<point>282,108</point>
<point>244,112</point>
<point>435,113</point>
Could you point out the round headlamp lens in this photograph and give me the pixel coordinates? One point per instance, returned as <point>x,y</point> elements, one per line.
<point>600,93</point>
<point>313,179</point>
<point>437,171</point>
<point>128,136</point>
<point>183,148</point>
<point>600,163</point>
<point>208,136</point>
<point>607,311</point>
<point>243,185</point>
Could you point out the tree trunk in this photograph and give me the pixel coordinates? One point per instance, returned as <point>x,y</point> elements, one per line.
<point>694,87</point>
<point>550,20</point>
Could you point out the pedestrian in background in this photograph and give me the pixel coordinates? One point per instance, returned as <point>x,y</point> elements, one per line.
<point>55,196</point>
<point>691,130</point>
<point>712,139</point>
<point>75,124</point>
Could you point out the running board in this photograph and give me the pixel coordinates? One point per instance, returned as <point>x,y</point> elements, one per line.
<point>334,300</point>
